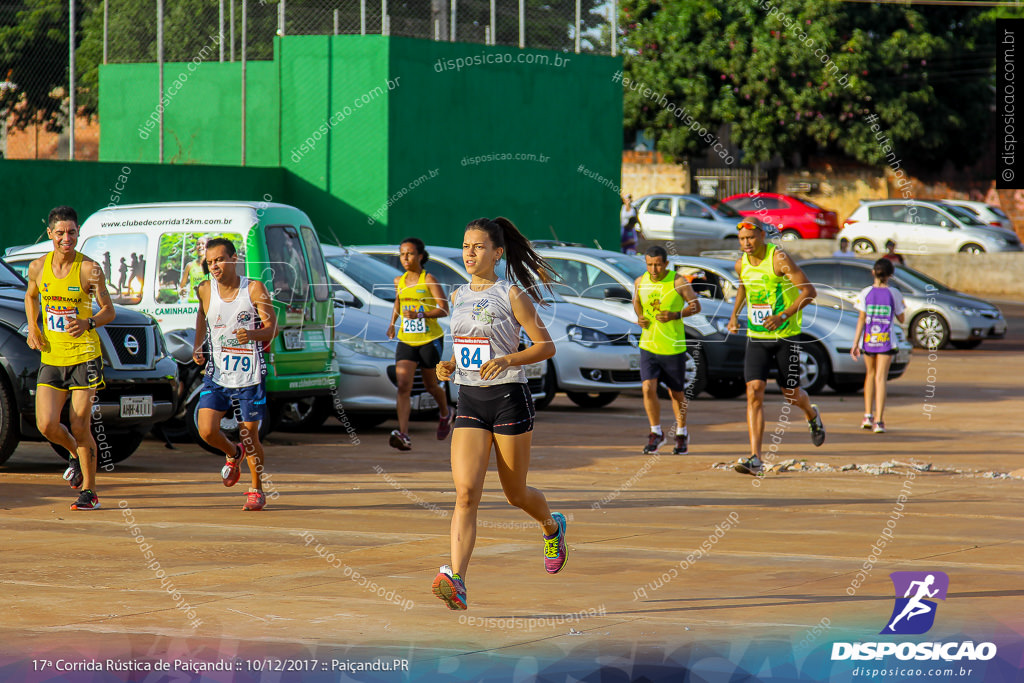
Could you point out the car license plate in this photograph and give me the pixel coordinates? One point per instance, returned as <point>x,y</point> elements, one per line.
<point>534,371</point>
<point>136,406</point>
<point>423,401</point>
<point>634,361</point>
<point>293,340</point>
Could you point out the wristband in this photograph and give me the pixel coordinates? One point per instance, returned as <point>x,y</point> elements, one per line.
<point>92,324</point>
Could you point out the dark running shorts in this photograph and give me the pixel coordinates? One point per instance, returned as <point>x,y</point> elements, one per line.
<point>890,352</point>
<point>502,409</point>
<point>784,353</point>
<point>87,375</point>
<point>670,369</point>
<point>251,401</point>
<point>426,355</point>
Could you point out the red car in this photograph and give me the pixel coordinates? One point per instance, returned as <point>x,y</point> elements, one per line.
<point>794,217</point>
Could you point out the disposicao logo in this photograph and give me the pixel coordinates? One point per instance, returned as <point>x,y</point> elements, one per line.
<point>914,614</point>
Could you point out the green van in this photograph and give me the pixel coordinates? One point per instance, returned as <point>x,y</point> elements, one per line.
<point>152,255</point>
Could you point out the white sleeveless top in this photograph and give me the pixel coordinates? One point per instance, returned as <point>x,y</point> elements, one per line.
<point>234,364</point>
<point>484,327</point>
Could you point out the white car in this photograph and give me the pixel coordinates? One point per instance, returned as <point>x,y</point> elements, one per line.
<point>596,355</point>
<point>986,213</point>
<point>921,227</point>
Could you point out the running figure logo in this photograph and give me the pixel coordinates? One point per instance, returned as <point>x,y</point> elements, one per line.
<point>913,614</point>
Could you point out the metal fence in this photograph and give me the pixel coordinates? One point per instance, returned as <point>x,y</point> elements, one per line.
<point>35,55</point>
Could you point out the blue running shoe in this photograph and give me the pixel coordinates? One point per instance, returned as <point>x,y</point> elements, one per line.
<point>450,588</point>
<point>555,552</point>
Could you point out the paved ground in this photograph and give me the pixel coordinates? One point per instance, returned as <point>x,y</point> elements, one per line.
<point>785,559</point>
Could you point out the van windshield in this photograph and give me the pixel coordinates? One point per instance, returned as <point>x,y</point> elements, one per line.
<point>291,278</point>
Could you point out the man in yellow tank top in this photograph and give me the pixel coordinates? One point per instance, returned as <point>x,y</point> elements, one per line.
<point>775,291</point>
<point>61,285</point>
<point>661,300</point>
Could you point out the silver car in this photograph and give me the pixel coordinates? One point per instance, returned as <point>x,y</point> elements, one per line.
<point>686,216</point>
<point>922,226</point>
<point>935,315</point>
<point>828,327</point>
<point>596,355</point>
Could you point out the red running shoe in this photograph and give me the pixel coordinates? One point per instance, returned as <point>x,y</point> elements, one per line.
<point>254,500</point>
<point>231,470</point>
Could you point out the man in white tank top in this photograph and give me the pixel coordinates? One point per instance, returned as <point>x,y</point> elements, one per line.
<point>237,315</point>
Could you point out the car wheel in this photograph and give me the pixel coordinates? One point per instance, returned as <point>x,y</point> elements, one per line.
<point>113,447</point>
<point>929,330</point>
<point>730,387</point>
<point>550,387</point>
<point>790,234</point>
<point>972,249</point>
<point>957,343</point>
<point>302,415</point>
<point>815,368</point>
<point>863,246</point>
<point>228,425</point>
<point>9,430</point>
<point>592,399</point>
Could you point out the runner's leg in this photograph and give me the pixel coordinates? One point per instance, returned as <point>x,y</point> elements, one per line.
<point>209,429</point>
<point>249,432</point>
<point>405,372</point>
<point>513,456</point>
<point>471,451</point>
<point>679,406</point>
<point>881,375</point>
<point>755,414</point>
<point>869,384</point>
<point>81,419</point>
<point>434,388</point>
<point>49,404</point>
<point>651,405</point>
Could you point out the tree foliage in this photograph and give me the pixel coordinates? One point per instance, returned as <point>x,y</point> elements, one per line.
<point>802,76</point>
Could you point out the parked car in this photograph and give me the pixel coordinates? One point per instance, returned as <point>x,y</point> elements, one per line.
<point>596,355</point>
<point>795,218</point>
<point>150,255</point>
<point>686,216</point>
<point>921,226</point>
<point>603,280</point>
<point>935,315</point>
<point>370,282</point>
<point>142,386</point>
<point>986,213</point>
<point>828,326</point>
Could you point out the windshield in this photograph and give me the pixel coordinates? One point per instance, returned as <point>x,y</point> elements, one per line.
<point>630,265</point>
<point>9,278</point>
<point>724,209</point>
<point>919,280</point>
<point>369,273</point>
<point>963,214</point>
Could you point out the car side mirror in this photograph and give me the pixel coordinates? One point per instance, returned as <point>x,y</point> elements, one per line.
<point>343,297</point>
<point>617,293</point>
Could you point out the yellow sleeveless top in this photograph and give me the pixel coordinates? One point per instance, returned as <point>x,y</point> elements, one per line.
<point>769,294</point>
<point>668,338</point>
<point>64,299</point>
<point>411,299</point>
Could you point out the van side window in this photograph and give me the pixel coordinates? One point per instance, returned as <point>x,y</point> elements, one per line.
<point>291,279</point>
<point>123,260</point>
<point>321,286</point>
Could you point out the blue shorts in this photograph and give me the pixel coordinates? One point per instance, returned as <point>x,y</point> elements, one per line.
<point>250,402</point>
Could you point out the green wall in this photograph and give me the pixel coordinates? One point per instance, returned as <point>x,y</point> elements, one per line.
<point>357,121</point>
<point>34,187</point>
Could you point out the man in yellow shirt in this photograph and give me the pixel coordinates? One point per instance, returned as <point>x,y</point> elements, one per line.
<point>775,291</point>
<point>661,300</point>
<point>65,282</point>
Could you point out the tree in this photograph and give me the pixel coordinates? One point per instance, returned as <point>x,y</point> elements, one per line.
<point>800,76</point>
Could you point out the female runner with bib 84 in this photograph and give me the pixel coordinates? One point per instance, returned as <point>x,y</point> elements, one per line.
<point>495,406</point>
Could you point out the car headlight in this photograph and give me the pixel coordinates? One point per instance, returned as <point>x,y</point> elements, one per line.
<point>966,310</point>
<point>586,336</point>
<point>366,348</point>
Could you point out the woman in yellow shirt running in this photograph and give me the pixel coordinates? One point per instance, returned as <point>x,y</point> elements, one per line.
<point>419,304</point>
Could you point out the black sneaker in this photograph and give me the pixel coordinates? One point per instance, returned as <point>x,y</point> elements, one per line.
<point>682,444</point>
<point>816,427</point>
<point>752,466</point>
<point>87,500</point>
<point>73,474</point>
<point>654,442</point>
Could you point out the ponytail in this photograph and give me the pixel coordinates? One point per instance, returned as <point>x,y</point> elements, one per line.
<point>523,265</point>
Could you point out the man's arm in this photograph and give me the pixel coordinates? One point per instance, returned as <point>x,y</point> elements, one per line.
<point>197,346</point>
<point>36,340</point>
<point>637,308</point>
<point>260,297</point>
<point>684,290</point>
<point>784,265</point>
<point>741,298</point>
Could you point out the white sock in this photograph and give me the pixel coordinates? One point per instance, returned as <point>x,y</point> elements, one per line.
<point>680,431</point>
<point>656,429</point>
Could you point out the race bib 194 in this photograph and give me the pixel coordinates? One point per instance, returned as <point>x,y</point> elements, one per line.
<point>472,352</point>
<point>759,313</point>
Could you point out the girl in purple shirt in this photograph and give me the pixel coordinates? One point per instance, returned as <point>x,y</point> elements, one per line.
<point>879,305</point>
